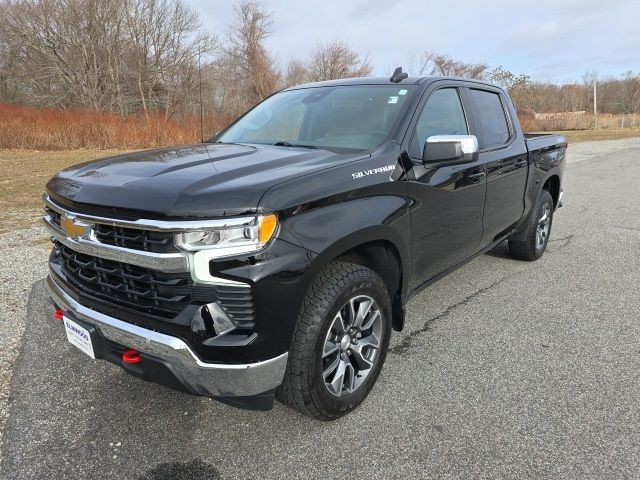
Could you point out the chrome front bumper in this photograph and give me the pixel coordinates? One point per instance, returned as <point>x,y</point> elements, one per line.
<point>213,379</point>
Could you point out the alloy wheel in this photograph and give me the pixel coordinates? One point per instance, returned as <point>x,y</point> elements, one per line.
<point>544,225</point>
<point>351,345</point>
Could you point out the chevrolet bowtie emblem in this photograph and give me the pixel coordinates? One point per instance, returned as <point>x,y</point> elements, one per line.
<point>72,227</point>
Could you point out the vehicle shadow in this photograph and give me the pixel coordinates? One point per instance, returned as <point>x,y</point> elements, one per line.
<point>500,251</point>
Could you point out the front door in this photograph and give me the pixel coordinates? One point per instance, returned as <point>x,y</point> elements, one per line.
<point>448,201</point>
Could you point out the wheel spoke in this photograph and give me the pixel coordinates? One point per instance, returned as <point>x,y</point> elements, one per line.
<point>364,353</point>
<point>339,325</point>
<point>349,377</point>
<point>545,215</point>
<point>351,313</point>
<point>364,308</point>
<point>370,341</point>
<point>331,368</point>
<point>329,348</point>
<point>368,323</point>
<point>338,378</point>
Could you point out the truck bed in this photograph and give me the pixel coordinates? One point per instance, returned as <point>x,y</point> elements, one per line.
<point>544,141</point>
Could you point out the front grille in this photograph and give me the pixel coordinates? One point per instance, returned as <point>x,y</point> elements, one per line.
<point>149,291</point>
<point>149,241</point>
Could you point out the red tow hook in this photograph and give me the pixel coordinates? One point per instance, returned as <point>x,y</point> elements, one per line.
<point>58,314</point>
<point>131,356</point>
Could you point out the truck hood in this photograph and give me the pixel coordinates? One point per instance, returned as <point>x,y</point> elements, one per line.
<point>202,180</point>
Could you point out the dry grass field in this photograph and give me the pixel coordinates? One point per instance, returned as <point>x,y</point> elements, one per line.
<point>24,174</point>
<point>22,126</point>
<point>591,135</point>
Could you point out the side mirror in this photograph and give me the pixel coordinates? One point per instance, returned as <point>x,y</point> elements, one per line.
<point>450,149</point>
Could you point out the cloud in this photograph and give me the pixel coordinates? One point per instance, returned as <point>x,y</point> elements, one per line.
<point>548,39</point>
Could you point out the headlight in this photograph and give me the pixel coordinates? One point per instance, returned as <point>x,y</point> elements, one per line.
<point>232,239</point>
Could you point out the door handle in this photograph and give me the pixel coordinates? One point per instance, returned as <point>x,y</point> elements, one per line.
<point>476,177</point>
<point>520,163</point>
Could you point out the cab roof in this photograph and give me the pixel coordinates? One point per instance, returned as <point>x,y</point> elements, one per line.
<point>386,81</point>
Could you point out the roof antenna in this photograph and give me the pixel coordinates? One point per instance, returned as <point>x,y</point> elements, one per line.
<point>398,75</point>
<point>200,95</point>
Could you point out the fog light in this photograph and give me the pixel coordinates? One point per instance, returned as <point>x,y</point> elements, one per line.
<point>58,314</point>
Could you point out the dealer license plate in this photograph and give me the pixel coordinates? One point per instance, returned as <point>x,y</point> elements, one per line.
<point>78,336</point>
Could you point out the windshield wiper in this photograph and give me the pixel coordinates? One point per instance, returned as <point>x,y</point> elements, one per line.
<point>282,143</point>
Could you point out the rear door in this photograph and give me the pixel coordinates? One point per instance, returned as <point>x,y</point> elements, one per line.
<point>448,200</point>
<point>504,153</point>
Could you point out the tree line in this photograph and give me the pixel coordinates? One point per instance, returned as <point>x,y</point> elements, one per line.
<point>155,57</point>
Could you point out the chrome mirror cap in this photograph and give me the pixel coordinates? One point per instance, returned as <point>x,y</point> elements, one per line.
<point>468,143</point>
<point>450,149</point>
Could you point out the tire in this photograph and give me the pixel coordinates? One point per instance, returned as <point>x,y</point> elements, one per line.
<point>537,233</point>
<point>335,301</point>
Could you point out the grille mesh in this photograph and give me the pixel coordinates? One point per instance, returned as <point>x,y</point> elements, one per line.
<point>159,242</point>
<point>152,292</point>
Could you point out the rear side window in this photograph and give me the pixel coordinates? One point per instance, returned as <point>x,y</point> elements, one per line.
<point>441,115</point>
<point>491,122</point>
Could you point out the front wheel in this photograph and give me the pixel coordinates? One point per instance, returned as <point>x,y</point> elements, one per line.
<point>339,344</point>
<point>537,233</point>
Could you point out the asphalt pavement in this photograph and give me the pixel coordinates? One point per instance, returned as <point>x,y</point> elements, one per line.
<point>506,369</point>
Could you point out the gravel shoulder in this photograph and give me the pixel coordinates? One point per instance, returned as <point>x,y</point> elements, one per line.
<point>22,263</point>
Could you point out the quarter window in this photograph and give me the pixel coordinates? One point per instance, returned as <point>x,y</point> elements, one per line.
<point>489,116</point>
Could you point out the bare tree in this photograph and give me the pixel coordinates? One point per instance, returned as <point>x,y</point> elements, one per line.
<point>246,53</point>
<point>166,43</point>
<point>118,55</point>
<point>335,60</point>
<point>296,73</point>
<point>58,47</point>
<point>434,63</point>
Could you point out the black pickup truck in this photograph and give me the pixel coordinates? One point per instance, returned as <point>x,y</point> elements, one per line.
<point>275,259</point>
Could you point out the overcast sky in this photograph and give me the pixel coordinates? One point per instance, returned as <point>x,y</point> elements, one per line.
<point>546,39</point>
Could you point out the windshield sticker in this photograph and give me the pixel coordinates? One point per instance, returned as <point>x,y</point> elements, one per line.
<point>373,171</point>
<point>393,100</point>
<point>402,92</point>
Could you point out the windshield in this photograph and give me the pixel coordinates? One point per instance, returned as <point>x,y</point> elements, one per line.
<point>342,118</point>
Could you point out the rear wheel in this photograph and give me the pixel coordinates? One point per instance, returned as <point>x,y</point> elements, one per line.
<point>340,342</point>
<point>538,231</point>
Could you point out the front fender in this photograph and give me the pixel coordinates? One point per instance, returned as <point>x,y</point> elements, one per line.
<point>334,229</point>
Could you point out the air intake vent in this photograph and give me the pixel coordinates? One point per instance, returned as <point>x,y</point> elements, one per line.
<point>237,301</point>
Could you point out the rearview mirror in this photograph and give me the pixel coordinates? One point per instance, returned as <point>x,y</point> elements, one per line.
<point>450,149</point>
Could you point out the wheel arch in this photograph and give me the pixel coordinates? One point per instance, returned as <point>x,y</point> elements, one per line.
<point>378,249</point>
<point>552,185</point>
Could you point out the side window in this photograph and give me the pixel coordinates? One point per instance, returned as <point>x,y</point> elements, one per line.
<point>441,115</point>
<point>490,120</point>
